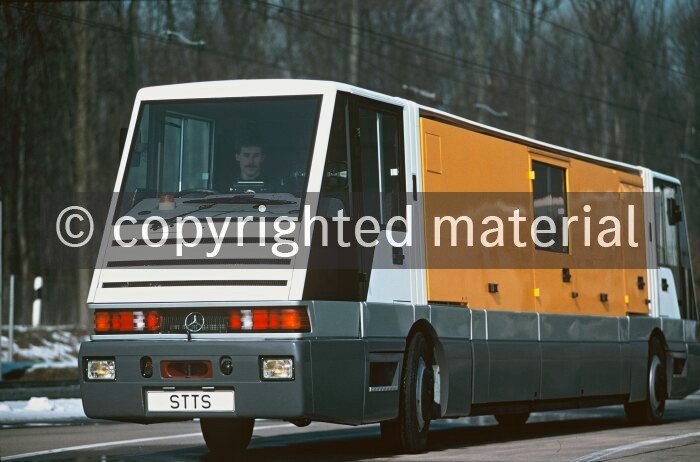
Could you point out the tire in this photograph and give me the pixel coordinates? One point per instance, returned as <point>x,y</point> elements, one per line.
<point>409,433</point>
<point>390,434</point>
<point>227,435</point>
<point>512,420</point>
<point>651,410</point>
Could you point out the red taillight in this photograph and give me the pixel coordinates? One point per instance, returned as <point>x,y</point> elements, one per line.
<point>123,321</point>
<point>292,319</point>
<point>272,319</point>
<point>127,321</point>
<point>260,320</point>
<point>152,321</point>
<point>234,320</point>
<point>102,323</point>
<point>275,319</point>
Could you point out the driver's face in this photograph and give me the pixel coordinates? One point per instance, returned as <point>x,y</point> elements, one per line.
<point>250,159</point>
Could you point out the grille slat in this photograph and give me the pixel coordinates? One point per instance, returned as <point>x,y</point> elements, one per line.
<point>202,283</point>
<point>215,323</point>
<point>199,262</point>
<point>210,240</point>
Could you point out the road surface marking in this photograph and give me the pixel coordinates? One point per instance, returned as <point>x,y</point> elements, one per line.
<point>627,447</point>
<point>115,443</point>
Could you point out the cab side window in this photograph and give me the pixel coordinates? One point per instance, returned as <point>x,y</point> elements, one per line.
<point>381,157</point>
<point>336,185</point>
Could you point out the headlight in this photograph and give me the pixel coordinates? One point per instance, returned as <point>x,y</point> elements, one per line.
<point>101,369</point>
<point>278,369</point>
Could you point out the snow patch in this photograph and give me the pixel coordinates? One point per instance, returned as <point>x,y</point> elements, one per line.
<point>39,405</point>
<point>66,364</point>
<point>40,410</point>
<point>50,344</point>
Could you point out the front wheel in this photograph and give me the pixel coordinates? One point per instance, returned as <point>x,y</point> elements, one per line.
<point>227,435</point>
<point>410,431</point>
<point>651,410</point>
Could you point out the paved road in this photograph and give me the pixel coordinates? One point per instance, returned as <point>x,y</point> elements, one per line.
<point>583,435</point>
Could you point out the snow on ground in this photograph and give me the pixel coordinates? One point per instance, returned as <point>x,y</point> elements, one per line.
<point>63,364</point>
<point>40,409</point>
<point>51,351</point>
<point>51,344</point>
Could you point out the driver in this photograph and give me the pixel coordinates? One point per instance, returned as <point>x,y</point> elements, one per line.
<point>250,160</point>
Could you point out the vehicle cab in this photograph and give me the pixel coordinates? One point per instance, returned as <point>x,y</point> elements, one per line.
<point>200,304</point>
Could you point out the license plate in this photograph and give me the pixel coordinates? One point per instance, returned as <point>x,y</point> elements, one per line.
<point>190,401</point>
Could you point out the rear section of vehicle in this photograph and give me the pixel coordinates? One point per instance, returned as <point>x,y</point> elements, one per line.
<point>146,365</point>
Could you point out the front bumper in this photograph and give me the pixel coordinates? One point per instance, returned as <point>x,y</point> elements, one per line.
<point>124,398</point>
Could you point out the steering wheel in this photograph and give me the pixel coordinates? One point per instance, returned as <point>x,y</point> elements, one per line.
<point>205,191</point>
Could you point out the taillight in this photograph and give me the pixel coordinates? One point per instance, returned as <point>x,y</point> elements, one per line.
<point>294,319</point>
<point>273,320</point>
<point>102,322</point>
<point>126,321</point>
<point>260,320</point>
<point>234,320</point>
<point>215,320</point>
<point>269,319</point>
<point>153,320</point>
<point>123,321</point>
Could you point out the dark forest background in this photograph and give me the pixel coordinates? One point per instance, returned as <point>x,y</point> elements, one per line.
<point>615,78</point>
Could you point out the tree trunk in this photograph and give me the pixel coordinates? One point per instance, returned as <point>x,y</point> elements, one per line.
<point>530,118</point>
<point>83,157</point>
<point>354,55</point>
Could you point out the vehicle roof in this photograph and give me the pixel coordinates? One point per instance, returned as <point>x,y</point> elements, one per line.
<point>234,88</point>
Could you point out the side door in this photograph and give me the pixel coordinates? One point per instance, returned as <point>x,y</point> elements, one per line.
<point>674,278</point>
<point>379,179</point>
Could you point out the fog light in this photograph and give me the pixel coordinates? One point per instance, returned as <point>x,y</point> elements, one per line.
<point>146,367</point>
<point>226,365</point>
<point>101,369</point>
<point>278,369</point>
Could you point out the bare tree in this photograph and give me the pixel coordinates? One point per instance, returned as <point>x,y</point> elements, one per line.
<point>618,78</point>
<point>600,20</point>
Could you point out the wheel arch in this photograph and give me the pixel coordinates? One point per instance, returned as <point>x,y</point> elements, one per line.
<point>439,357</point>
<point>658,334</point>
<point>639,351</point>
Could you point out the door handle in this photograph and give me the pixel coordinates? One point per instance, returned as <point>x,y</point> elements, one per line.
<point>664,284</point>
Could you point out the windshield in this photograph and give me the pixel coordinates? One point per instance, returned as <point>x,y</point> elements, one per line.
<point>219,157</point>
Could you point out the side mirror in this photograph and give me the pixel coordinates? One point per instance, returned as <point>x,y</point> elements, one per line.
<point>675,215</point>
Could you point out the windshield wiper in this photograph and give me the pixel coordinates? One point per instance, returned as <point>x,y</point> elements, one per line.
<point>240,199</point>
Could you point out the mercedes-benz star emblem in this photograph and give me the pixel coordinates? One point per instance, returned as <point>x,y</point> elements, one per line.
<point>194,322</point>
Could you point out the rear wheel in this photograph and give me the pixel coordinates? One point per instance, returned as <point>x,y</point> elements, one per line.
<point>227,435</point>
<point>512,420</point>
<point>410,431</point>
<point>651,410</point>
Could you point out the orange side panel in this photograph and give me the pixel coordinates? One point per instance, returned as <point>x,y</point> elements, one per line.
<point>635,284</point>
<point>471,162</point>
<point>455,160</point>
<point>555,295</point>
